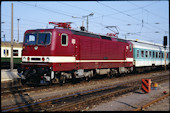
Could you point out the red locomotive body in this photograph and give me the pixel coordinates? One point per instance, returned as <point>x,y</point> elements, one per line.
<point>59,54</point>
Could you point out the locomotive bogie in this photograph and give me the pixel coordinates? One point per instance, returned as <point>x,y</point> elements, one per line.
<point>125,69</point>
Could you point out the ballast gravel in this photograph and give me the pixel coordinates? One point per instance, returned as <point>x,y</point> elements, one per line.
<point>133,100</point>
<point>70,88</point>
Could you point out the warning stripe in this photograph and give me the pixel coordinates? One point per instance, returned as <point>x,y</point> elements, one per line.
<point>145,81</point>
<point>145,86</point>
<point>143,90</point>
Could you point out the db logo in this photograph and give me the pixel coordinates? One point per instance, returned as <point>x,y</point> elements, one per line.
<point>36,47</point>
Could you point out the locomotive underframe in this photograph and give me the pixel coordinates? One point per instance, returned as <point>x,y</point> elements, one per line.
<point>41,73</point>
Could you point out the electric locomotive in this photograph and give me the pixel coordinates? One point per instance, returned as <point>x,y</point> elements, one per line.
<point>61,53</point>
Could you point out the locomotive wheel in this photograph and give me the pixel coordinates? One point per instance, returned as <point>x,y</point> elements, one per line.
<point>74,80</point>
<point>61,80</point>
<point>110,74</point>
<point>23,82</point>
<point>87,79</point>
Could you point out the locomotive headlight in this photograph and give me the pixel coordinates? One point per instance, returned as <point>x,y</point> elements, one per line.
<point>24,59</point>
<point>28,58</point>
<point>43,59</point>
<point>47,59</point>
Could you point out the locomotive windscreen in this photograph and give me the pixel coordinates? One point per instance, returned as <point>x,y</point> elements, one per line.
<point>43,38</point>
<point>30,39</point>
<point>37,39</point>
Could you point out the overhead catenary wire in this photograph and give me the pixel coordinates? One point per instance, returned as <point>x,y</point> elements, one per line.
<point>150,13</point>
<point>129,16</point>
<point>46,9</point>
<point>25,19</point>
<point>148,10</point>
<point>88,10</point>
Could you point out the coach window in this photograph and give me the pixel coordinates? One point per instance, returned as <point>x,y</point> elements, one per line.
<point>7,52</point>
<point>162,55</point>
<point>64,39</point>
<point>4,53</point>
<point>149,54</point>
<point>156,54</point>
<point>159,55</point>
<point>137,53</point>
<point>15,52</point>
<point>153,54</point>
<point>142,53</point>
<point>146,54</point>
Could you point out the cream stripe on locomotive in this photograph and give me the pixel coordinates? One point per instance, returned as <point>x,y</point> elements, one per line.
<point>65,59</point>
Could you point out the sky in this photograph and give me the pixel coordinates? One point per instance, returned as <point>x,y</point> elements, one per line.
<point>142,20</point>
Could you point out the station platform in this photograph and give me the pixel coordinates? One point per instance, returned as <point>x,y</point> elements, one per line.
<point>9,79</point>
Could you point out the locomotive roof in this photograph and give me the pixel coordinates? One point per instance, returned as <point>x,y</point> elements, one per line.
<point>89,34</point>
<point>96,35</point>
<point>8,44</point>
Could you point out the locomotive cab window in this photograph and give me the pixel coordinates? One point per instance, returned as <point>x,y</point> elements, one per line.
<point>44,38</point>
<point>64,39</point>
<point>30,39</point>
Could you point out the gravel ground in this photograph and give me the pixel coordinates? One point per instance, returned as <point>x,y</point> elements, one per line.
<point>131,101</point>
<point>69,88</point>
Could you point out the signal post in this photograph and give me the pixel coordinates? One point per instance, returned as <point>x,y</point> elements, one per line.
<point>165,44</point>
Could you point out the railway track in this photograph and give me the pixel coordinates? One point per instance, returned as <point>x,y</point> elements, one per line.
<point>79,100</point>
<point>23,89</point>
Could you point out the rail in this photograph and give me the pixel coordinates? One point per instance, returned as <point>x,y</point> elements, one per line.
<point>152,102</point>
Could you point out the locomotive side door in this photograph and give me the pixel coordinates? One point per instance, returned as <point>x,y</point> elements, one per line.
<point>125,55</point>
<point>75,42</point>
<point>126,49</point>
<point>77,49</point>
